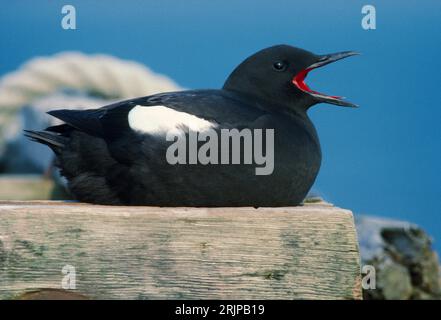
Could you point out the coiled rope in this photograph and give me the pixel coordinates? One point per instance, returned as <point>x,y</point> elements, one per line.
<point>99,74</point>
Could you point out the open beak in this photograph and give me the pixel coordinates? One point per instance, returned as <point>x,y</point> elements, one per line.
<point>299,79</point>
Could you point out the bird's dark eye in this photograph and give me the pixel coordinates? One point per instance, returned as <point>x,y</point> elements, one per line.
<point>280,66</point>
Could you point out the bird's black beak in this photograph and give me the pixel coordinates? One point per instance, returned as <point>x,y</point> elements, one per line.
<point>323,60</point>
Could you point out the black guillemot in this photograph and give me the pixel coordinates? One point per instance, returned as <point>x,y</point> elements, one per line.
<point>140,151</point>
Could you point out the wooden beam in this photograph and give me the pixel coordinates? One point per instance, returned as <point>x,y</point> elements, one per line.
<point>307,252</point>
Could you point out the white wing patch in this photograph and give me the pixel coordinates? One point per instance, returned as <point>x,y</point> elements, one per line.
<point>160,119</point>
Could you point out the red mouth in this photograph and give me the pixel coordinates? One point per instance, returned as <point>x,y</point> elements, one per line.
<point>299,79</point>
<point>299,82</point>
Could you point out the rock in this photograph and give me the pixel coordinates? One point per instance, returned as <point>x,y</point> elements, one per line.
<point>406,266</point>
<point>393,282</point>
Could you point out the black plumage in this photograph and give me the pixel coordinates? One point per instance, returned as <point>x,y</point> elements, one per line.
<point>108,160</point>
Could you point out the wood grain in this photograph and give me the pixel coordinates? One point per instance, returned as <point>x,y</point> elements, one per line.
<point>307,252</point>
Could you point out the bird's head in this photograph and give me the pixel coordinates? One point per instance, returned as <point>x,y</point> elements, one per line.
<point>277,75</point>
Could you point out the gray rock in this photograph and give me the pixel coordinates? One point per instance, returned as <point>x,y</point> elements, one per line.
<point>406,266</point>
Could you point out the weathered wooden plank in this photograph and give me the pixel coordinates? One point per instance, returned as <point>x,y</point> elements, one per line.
<point>25,187</point>
<point>307,252</point>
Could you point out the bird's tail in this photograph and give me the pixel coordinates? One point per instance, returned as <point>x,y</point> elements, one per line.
<point>54,140</point>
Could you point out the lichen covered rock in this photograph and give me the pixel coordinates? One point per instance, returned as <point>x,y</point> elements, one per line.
<point>401,252</point>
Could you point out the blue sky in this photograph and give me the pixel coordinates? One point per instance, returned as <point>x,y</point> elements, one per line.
<point>381,159</point>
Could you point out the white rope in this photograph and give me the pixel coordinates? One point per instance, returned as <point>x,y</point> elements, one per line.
<point>104,75</point>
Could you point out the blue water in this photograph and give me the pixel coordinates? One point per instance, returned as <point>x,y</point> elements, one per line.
<point>382,159</point>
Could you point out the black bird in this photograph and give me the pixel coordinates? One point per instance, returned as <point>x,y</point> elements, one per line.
<point>118,154</point>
